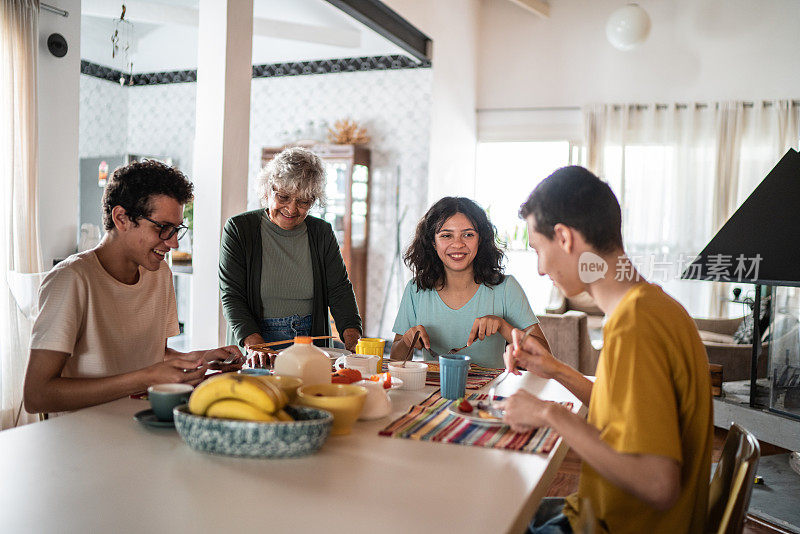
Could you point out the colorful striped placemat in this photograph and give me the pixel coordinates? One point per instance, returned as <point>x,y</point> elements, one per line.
<point>432,421</point>
<point>477,376</point>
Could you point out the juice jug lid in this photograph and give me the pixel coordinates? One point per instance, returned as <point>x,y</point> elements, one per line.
<point>303,340</point>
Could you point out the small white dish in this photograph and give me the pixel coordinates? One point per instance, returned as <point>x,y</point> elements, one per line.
<point>413,374</point>
<point>397,383</point>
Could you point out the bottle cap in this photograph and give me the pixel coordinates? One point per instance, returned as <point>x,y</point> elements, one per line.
<point>302,340</point>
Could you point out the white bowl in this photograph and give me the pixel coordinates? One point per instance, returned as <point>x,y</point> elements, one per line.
<point>413,374</point>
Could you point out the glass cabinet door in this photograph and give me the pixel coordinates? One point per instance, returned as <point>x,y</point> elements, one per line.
<point>336,192</point>
<point>784,350</point>
<point>359,215</point>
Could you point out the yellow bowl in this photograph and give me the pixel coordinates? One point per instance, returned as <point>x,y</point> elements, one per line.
<point>344,401</point>
<point>288,384</point>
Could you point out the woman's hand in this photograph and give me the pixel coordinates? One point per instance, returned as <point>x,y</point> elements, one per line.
<point>424,342</point>
<point>484,327</point>
<point>523,411</point>
<point>350,338</point>
<point>255,359</point>
<point>533,356</point>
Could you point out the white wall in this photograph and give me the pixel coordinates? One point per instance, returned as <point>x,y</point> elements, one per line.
<point>697,50</point>
<point>58,143</point>
<point>453,27</point>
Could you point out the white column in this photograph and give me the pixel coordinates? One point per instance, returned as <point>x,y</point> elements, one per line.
<point>224,72</point>
<point>59,99</point>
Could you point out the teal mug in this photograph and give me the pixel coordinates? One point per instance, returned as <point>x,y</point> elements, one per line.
<point>164,397</point>
<point>453,375</point>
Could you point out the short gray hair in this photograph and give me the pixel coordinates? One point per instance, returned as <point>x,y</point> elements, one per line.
<point>295,170</point>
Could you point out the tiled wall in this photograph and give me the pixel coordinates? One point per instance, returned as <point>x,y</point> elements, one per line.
<point>103,118</point>
<point>161,122</point>
<point>393,105</point>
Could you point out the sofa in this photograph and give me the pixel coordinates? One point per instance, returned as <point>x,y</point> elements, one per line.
<point>717,336</point>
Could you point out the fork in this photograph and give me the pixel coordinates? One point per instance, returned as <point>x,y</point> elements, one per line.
<point>505,373</point>
<point>451,351</point>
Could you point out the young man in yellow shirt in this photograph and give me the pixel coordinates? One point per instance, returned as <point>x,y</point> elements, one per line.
<point>646,445</point>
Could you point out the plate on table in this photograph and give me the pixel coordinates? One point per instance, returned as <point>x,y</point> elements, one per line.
<point>473,415</point>
<point>397,383</point>
<point>148,418</point>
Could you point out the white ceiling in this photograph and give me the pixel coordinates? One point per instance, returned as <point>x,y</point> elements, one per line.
<point>165,33</point>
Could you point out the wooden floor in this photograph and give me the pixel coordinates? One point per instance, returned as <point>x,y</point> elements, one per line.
<point>566,480</point>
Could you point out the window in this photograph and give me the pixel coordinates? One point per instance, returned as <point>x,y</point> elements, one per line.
<point>506,173</point>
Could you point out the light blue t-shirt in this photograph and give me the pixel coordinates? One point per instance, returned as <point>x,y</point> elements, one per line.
<point>449,328</point>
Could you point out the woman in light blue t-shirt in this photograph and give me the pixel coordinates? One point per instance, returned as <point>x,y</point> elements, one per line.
<point>458,294</point>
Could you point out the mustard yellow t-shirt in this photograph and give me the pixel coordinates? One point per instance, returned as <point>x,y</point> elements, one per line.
<point>652,396</point>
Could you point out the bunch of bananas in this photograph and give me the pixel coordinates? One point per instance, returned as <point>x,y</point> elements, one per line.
<point>235,396</point>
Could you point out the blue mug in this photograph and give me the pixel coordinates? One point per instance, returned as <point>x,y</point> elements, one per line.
<point>453,375</point>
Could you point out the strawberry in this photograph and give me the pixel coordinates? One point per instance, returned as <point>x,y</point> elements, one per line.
<point>465,406</point>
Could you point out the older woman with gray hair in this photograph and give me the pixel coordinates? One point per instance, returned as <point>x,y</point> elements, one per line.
<point>281,269</point>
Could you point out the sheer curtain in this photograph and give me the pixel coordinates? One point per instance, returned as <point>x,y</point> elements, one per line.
<point>659,160</point>
<point>680,171</point>
<point>19,247</point>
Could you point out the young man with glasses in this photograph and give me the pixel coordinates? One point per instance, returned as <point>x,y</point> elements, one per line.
<point>105,314</point>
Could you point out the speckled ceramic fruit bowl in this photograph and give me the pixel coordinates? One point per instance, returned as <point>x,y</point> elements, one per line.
<point>253,439</point>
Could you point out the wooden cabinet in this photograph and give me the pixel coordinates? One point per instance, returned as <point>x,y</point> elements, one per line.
<point>347,209</point>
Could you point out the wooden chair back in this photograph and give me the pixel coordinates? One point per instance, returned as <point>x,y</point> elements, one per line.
<point>732,483</point>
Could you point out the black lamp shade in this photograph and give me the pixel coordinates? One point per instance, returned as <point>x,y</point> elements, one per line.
<point>760,243</point>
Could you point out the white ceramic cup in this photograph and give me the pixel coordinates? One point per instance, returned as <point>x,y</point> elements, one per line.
<point>366,364</point>
<point>413,374</point>
<point>378,404</point>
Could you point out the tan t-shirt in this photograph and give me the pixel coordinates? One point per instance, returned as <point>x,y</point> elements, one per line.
<point>652,396</point>
<point>107,327</point>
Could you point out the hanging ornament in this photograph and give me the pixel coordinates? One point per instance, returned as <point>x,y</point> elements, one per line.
<point>122,45</point>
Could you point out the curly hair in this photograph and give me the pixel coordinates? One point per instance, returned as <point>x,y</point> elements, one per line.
<point>421,257</point>
<point>133,185</point>
<point>295,170</point>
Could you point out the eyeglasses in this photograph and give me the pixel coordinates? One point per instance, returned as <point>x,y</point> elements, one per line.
<point>284,199</point>
<point>166,230</point>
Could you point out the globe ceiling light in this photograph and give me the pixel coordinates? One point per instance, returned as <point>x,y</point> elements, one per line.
<point>628,27</point>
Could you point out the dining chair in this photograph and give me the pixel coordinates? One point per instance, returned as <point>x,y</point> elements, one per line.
<point>732,483</point>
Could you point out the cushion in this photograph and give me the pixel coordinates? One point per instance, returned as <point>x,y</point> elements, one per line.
<point>585,303</point>
<point>714,337</point>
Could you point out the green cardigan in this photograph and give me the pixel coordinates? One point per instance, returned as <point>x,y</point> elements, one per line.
<point>240,279</point>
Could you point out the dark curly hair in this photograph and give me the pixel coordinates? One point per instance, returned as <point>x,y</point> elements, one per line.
<point>421,257</point>
<point>133,185</point>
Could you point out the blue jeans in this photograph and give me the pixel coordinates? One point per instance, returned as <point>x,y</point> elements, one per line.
<point>549,519</point>
<point>285,328</point>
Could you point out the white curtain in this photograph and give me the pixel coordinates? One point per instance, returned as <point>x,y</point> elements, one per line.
<point>680,171</point>
<point>19,246</point>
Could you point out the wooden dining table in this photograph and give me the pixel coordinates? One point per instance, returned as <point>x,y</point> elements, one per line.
<point>98,470</point>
